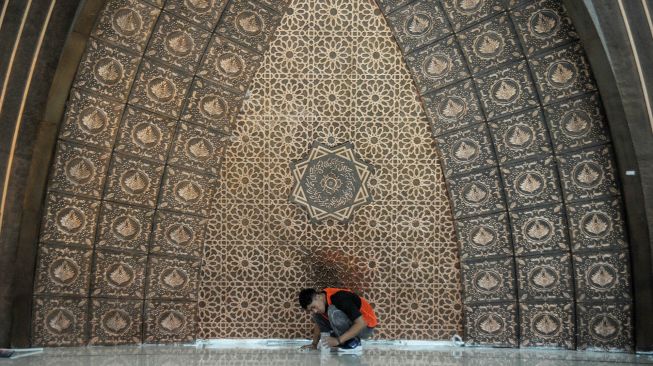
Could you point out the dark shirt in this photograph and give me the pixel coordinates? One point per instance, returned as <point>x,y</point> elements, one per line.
<point>347,302</point>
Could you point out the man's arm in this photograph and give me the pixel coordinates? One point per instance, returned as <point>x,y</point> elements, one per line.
<point>316,337</point>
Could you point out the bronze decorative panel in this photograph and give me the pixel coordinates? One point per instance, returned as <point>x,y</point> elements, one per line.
<point>484,237</point>
<point>539,230</point>
<point>69,220</point>
<point>547,325</point>
<point>204,13</point>
<point>159,89</point>
<point>211,106</point>
<point>453,107</point>
<point>172,278</point>
<point>91,120</point>
<point>133,181</point>
<point>605,326</point>
<point>178,234</point>
<point>124,227</point>
<point>145,134</point>
<point>79,170</point>
<point>118,275</point>
<point>520,136</point>
<point>169,322</point>
<point>63,271</point>
<point>228,64</point>
<point>492,324</point>
<point>59,321</point>
<point>115,322</point>
<point>249,23</point>
<point>126,23</point>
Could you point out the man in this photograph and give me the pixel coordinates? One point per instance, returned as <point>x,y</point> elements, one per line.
<point>347,316</point>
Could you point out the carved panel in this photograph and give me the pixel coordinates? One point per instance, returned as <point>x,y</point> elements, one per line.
<point>169,322</point>
<point>118,275</point>
<point>437,65</point>
<point>520,136</point>
<point>248,23</point>
<point>547,325</point>
<point>204,13</point>
<point>476,194</point>
<point>69,220</point>
<point>562,73</point>
<point>588,174</point>
<point>490,44</point>
<point>453,107</point>
<point>489,280</point>
<point>133,181</point>
<point>198,148</point>
<point>90,119</point>
<point>212,106</point>
<point>545,278</point>
<point>466,149</point>
<point>539,230</point>
<point>597,225</point>
<point>178,234</point>
<point>63,271</point>
<point>602,276</point>
<point>79,170</point>
<point>418,24</point>
<point>605,326</point>
<point>115,322</point>
<point>124,227</point>
<point>491,324</point>
<point>463,13</point>
<point>506,90</point>
<point>127,23</point>
<point>577,122</point>
<point>543,25</point>
<point>177,42</point>
<point>59,321</point>
<point>145,135</point>
<point>228,64</point>
<point>170,278</point>
<point>159,89</point>
<point>106,70</point>
<point>484,237</point>
<point>531,183</point>
<point>186,192</point>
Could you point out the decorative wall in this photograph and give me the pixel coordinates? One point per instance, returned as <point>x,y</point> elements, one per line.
<point>333,74</point>
<point>529,165</point>
<point>124,254</point>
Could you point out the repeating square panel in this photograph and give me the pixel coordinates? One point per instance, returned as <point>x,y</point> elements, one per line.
<point>545,278</point>
<point>542,25</point>
<point>177,42</point>
<point>228,64</point>
<point>79,170</point>
<point>247,263</point>
<point>597,224</point>
<point>127,23</point>
<point>506,90</point>
<point>242,303</point>
<point>290,97</point>
<point>290,54</point>
<point>186,191</point>
<point>336,96</point>
<point>178,234</point>
<point>413,142</point>
<point>198,148</point>
<point>145,134</point>
<point>520,136</point>
<point>211,106</point>
<point>418,24</point>
<point>562,73</point>
<point>453,107</point>
<point>488,280</point>
<point>133,181</point>
<point>484,237</point>
<point>463,13</point>
<point>414,223</point>
<point>606,326</point>
<point>602,276</point>
<point>287,222</point>
<point>419,181</point>
<point>279,6</point>
<point>172,278</point>
<point>588,174</point>
<point>376,56</point>
<point>333,54</point>
<point>249,23</point>
<point>160,89</point>
<point>115,322</point>
<point>59,321</point>
<point>91,119</point>
<point>168,322</point>
<point>415,264</point>
<point>547,325</point>
<point>491,324</point>
<point>289,262</point>
<point>466,149</point>
<point>335,17</point>
<point>476,194</point>
<point>490,44</point>
<point>539,230</point>
<point>124,227</point>
<point>69,220</point>
<point>118,275</point>
<point>376,98</point>
<point>375,141</point>
<point>63,271</point>
<point>415,304</point>
<point>531,183</point>
<point>106,71</point>
<point>437,65</point>
<point>286,313</point>
<point>576,123</point>
<point>204,13</point>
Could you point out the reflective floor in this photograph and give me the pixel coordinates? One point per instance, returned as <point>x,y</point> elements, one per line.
<point>284,353</point>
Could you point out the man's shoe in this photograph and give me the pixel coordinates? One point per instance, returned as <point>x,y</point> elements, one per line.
<point>351,346</point>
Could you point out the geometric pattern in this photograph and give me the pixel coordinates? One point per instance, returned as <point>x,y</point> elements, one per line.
<point>331,182</point>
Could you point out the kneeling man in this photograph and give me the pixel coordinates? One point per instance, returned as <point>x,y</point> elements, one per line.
<point>347,316</point>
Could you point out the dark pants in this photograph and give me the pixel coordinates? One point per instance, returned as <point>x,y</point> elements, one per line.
<point>339,323</point>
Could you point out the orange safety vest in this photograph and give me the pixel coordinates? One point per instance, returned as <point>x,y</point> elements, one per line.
<point>366,309</point>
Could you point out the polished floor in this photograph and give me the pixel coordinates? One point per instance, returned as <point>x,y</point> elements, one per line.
<point>288,353</point>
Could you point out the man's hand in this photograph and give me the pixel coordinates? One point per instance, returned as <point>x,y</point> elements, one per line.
<point>332,341</point>
<point>309,346</point>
